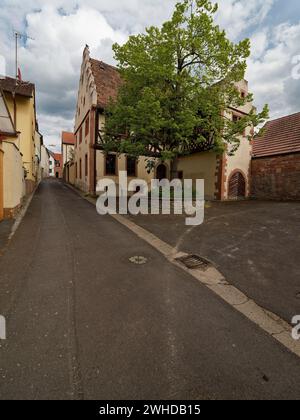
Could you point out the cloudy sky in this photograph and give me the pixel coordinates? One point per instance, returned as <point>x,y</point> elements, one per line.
<point>60,29</point>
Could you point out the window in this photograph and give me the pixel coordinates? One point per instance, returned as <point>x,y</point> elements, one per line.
<point>76,172</point>
<point>235,118</point>
<point>131,166</point>
<point>87,126</point>
<point>80,169</point>
<point>80,135</point>
<point>57,164</point>
<point>50,162</point>
<point>86,165</point>
<point>111,165</point>
<point>180,175</point>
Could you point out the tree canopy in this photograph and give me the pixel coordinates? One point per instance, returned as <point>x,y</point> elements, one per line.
<point>177,81</point>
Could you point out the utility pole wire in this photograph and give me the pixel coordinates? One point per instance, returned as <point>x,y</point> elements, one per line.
<point>18,36</point>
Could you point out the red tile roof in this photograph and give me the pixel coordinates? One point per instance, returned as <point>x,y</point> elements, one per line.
<point>281,136</point>
<point>108,81</point>
<point>58,157</point>
<point>68,138</point>
<point>8,84</point>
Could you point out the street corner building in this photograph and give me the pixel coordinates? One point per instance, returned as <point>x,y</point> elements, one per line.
<point>20,99</point>
<point>24,157</point>
<point>12,180</point>
<point>225,176</point>
<point>68,156</point>
<point>55,165</point>
<point>276,160</point>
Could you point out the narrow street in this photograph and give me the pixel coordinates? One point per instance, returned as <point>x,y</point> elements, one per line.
<point>83,322</point>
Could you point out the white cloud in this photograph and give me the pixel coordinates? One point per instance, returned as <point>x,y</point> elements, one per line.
<point>53,125</point>
<point>52,58</point>
<point>238,16</point>
<point>61,28</point>
<point>270,70</point>
<point>259,43</point>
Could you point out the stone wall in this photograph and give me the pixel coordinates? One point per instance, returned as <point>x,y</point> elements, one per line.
<point>276,177</point>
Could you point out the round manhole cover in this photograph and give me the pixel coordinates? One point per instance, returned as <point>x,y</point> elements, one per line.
<point>138,260</point>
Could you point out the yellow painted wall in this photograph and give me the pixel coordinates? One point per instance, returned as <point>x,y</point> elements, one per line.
<point>13,178</point>
<point>26,127</point>
<point>201,166</point>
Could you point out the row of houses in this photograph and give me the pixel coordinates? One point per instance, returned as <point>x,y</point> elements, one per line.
<point>254,170</point>
<point>24,159</point>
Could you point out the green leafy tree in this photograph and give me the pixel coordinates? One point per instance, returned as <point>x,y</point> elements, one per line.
<point>177,82</point>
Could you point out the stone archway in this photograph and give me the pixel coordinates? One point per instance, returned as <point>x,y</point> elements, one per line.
<point>237,186</point>
<point>161,172</point>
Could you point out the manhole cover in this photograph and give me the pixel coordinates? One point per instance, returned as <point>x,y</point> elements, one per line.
<point>194,261</point>
<point>138,260</point>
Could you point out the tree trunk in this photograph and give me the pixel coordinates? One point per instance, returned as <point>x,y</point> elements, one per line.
<point>174,168</point>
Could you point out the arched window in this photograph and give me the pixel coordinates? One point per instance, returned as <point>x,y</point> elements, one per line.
<point>161,172</point>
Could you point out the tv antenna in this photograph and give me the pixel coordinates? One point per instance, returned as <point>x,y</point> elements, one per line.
<point>18,36</point>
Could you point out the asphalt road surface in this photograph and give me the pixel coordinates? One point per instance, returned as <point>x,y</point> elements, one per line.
<point>254,244</point>
<point>83,322</point>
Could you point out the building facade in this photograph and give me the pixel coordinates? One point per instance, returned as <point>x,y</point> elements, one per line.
<point>226,176</point>
<point>20,99</point>
<point>276,160</point>
<point>67,147</point>
<point>12,181</point>
<point>38,154</point>
<point>58,165</point>
<point>68,156</point>
<point>45,157</point>
<point>55,165</point>
<point>51,164</point>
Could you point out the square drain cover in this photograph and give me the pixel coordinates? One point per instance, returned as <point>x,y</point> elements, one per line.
<point>194,261</point>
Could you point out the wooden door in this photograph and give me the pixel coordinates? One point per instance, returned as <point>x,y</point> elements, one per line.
<point>237,186</point>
